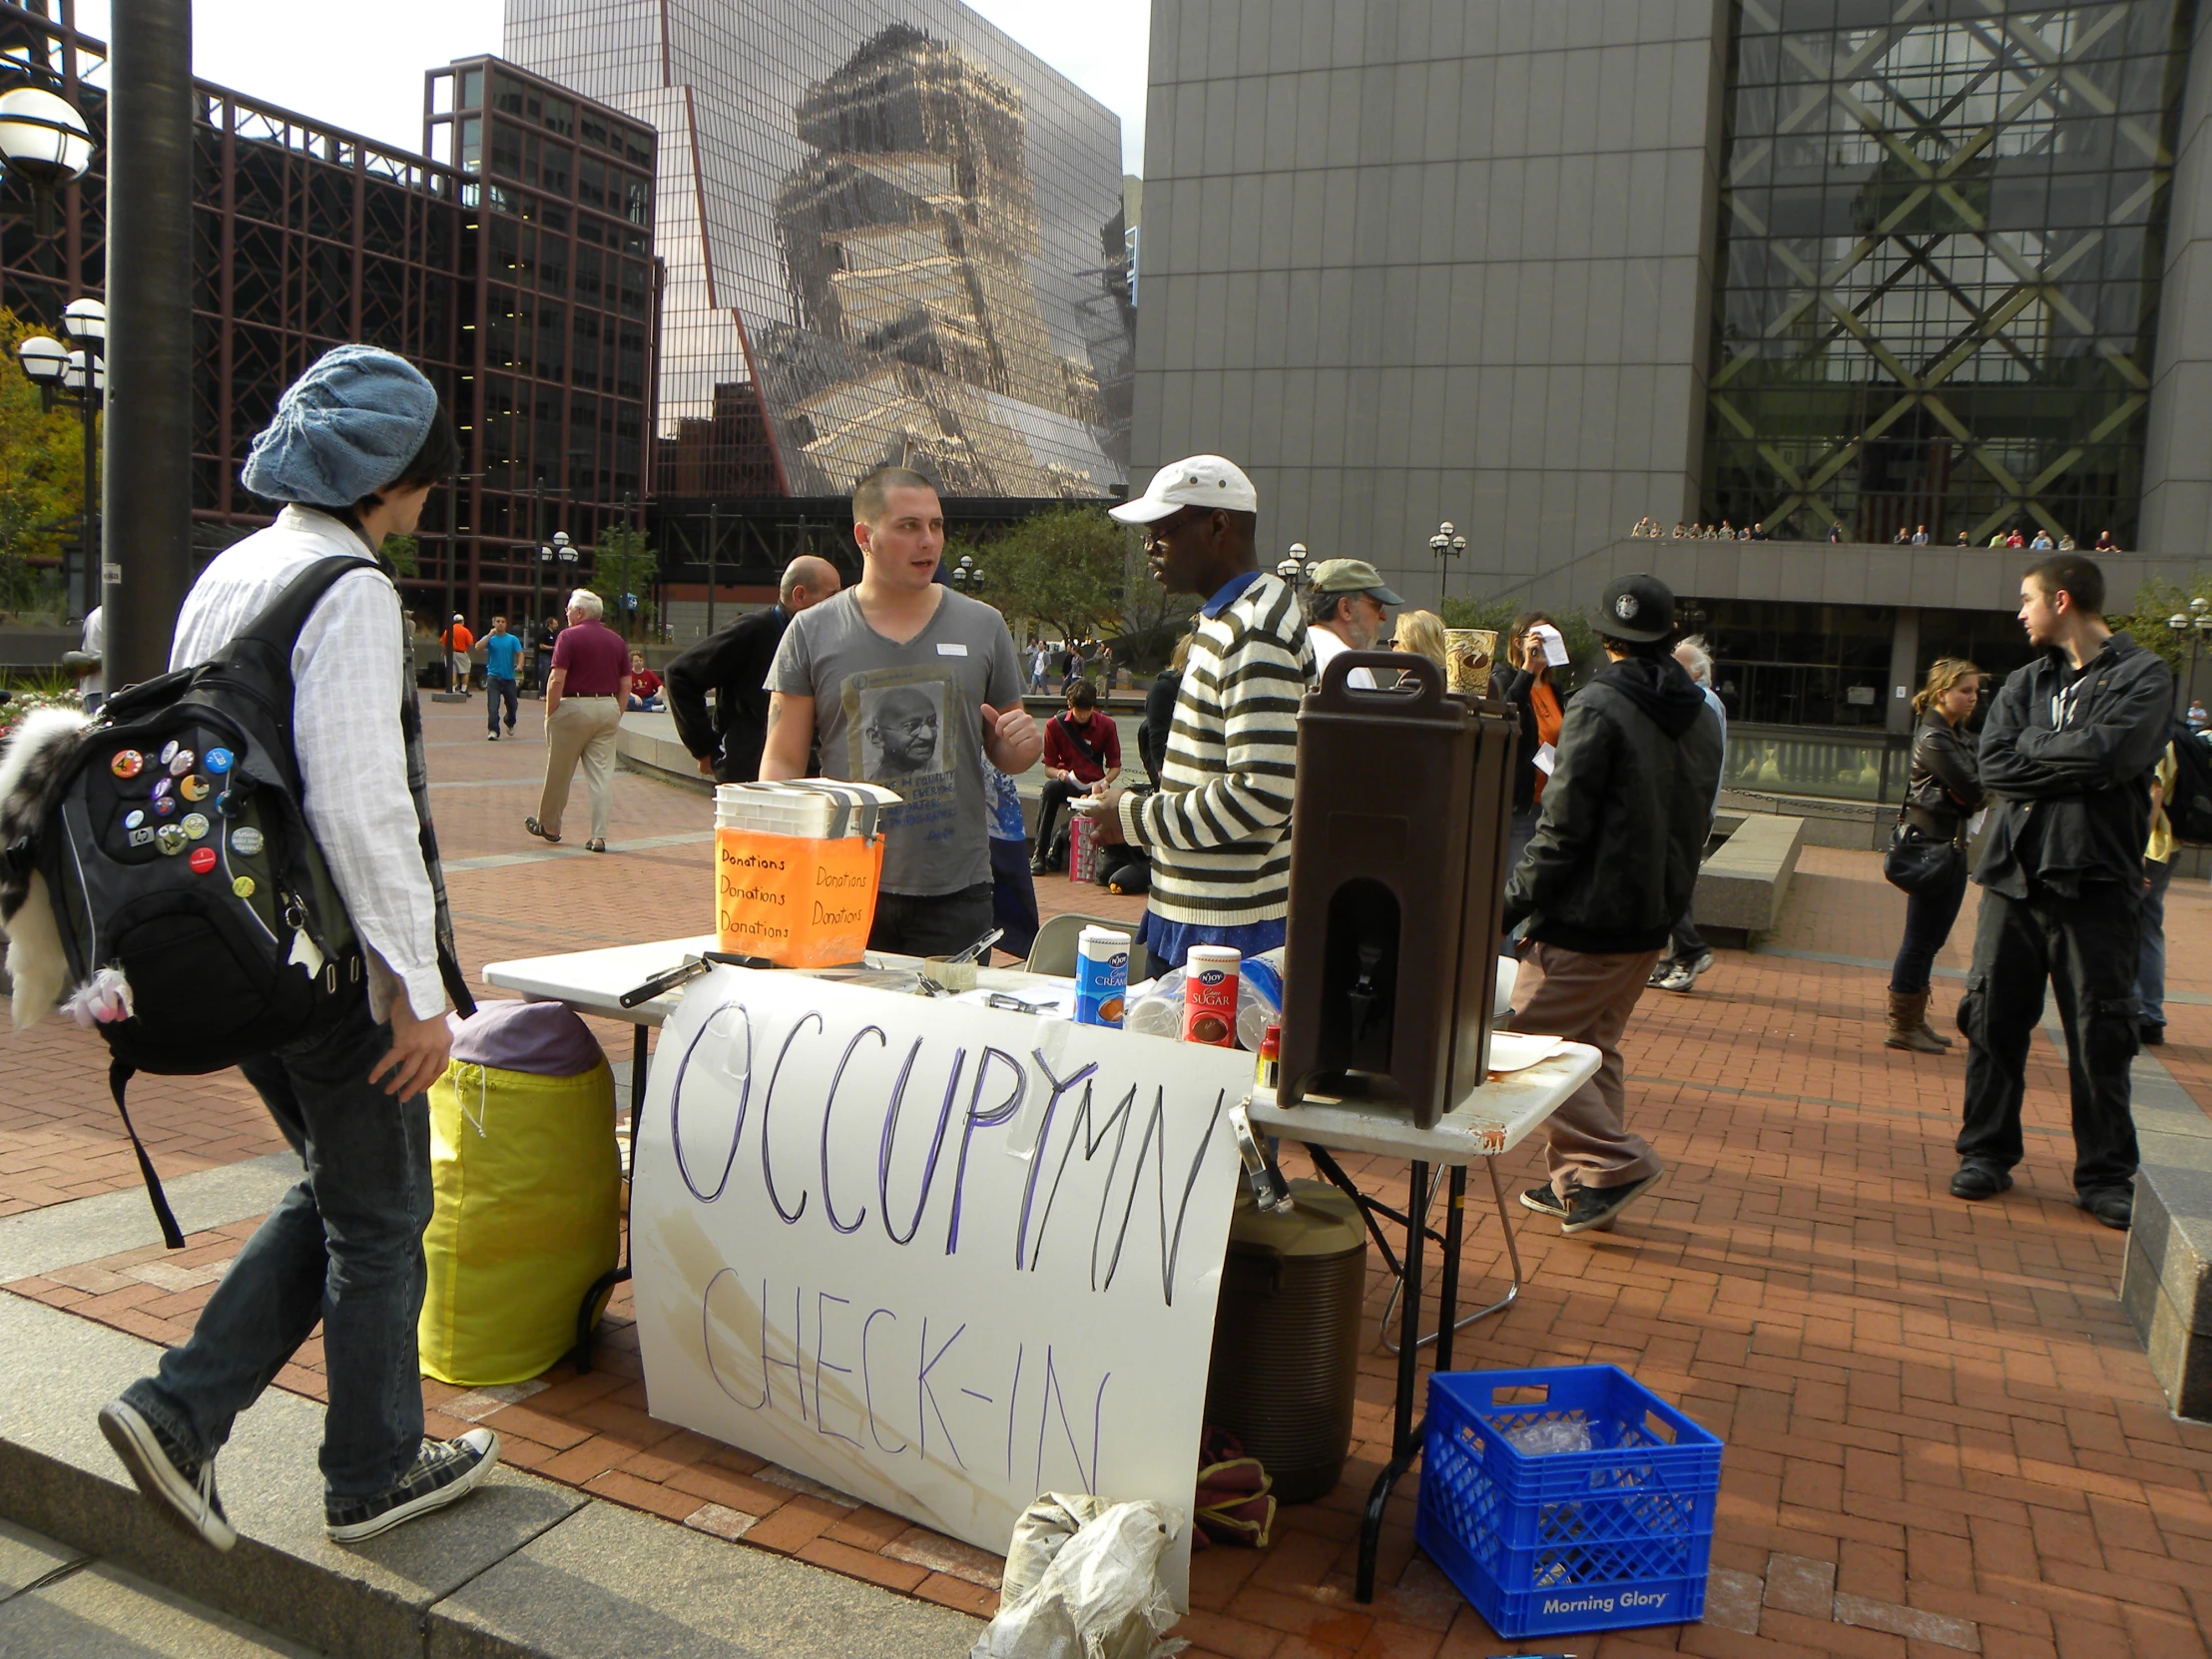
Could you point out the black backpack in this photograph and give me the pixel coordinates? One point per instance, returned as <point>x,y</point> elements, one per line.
<point>174,848</point>
<point>2189,801</point>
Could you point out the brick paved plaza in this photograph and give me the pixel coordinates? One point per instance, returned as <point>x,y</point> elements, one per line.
<point>1942,1435</point>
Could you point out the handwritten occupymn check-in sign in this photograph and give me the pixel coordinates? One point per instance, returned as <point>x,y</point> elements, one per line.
<point>942,1258</point>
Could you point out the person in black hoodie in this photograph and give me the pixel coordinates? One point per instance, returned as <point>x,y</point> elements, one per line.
<point>2067,755</point>
<point>1613,860</point>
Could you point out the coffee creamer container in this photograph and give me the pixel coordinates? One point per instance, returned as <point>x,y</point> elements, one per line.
<point>1101,975</point>
<point>1210,996</point>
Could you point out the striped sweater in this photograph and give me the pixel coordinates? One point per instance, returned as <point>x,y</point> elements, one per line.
<point>1218,831</point>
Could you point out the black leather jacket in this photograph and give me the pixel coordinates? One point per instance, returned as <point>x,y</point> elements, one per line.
<point>2067,760</point>
<point>1944,790</point>
<point>1615,857</point>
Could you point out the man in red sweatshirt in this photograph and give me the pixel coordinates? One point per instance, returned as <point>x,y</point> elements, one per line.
<point>1082,755</point>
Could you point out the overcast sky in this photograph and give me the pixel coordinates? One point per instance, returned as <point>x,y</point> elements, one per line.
<point>361,67</point>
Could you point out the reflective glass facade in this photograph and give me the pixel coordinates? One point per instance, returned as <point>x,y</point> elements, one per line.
<point>1938,290</point>
<point>891,236</point>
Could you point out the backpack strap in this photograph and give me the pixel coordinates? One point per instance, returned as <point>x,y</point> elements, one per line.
<point>120,1074</point>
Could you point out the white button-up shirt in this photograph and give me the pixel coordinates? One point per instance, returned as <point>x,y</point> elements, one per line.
<point>349,673</point>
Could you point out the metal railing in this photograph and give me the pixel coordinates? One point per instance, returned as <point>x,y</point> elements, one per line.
<point>1823,763</point>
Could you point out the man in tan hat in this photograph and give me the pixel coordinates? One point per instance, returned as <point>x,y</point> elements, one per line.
<point>1347,609</point>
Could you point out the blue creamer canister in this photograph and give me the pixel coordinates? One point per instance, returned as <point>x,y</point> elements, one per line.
<point>1101,975</point>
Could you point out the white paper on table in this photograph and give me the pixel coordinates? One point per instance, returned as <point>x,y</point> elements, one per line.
<point>1518,1050</point>
<point>1546,756</point>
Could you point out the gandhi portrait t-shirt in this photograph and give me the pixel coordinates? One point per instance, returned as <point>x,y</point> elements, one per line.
<point>908,717</point>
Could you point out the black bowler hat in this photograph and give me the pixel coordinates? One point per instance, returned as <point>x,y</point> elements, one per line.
<point>1640,609</point>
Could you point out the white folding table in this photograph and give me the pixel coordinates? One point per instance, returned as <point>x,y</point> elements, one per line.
<point>1487,1123</point>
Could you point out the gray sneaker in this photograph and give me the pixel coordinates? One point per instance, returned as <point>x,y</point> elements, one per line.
<point>444,1471</point>
<point>1680,977</point>
<point>1704,962</point>
<point>182,1487</point>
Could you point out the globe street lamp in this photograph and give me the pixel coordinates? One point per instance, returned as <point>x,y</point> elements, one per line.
<point>43,138</point>
<point>79,378</point>
<point>1445,545</point>
<point>560,553</point>
<point>967,575</point>
<point>1294,569</point>
<point>2197,624</point>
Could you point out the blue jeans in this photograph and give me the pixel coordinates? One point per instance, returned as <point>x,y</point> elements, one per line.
<point>1928,923</point>
<point>342,1249</point>
<point>497,690</point>
<point>2150,971</point>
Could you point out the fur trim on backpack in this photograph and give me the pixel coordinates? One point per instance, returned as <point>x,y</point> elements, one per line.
<point>44,743</point>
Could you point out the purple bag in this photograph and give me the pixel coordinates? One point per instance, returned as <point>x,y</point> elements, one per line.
<point>544,1039</point>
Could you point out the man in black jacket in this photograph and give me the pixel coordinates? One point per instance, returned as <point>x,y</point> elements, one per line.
<point>1613,862</point>
<point>734,664</point>
<point>2067,755</point>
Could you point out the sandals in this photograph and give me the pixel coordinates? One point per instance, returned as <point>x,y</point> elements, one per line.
<point>595,846</point>
<point>538,829</point>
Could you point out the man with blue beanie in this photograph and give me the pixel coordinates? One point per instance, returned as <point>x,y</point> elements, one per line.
<point>354,449</point>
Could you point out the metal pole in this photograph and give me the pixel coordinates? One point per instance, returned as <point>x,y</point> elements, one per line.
<point>149,344</point>
<point>714,535</point>
<point>88,539</point>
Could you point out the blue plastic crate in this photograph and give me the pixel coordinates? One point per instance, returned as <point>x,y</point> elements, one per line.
<point>1620,1535</point>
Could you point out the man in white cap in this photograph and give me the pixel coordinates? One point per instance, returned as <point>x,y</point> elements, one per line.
<point>458,641</point>
<point>1218,831</point>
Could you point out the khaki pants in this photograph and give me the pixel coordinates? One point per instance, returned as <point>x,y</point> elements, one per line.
<point>1587,999</point>
<point>581,728</point>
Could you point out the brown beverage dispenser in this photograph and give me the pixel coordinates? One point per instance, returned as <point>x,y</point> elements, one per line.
<point>1397,841</point>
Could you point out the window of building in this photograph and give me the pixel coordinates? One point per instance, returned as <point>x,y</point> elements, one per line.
<point>1937,284</point>
<point>633,290</point>
<point>636,201</point>
<point>506,149</point>
<point>558,115</point>
<point>506,95</point>
<point>472,88</point>
<point>555,168</point>
<point>552,263</point>
<point>591,182</point>
<point>592,129</point>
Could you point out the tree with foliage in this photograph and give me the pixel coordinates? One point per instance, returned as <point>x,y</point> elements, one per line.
<point>42,472</point>
<point>2148,621</point>
<point>1062,569</point>
<point>623,564</point>
<point>404,553</point>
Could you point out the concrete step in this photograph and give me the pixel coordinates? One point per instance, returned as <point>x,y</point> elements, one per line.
<point>2166,1280</point>
<point>61,1604</point>
<point>522,1567</point>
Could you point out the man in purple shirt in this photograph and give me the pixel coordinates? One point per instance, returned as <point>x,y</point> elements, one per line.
<point>584,695</point>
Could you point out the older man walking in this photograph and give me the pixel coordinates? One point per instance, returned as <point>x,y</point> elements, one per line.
<point>584,697</point>
<point>734,664</point>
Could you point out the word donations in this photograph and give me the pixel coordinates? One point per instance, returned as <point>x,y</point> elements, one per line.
<point>938,1257</point>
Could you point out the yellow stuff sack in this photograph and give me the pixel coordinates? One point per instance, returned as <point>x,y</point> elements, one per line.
<point>528,1185</point>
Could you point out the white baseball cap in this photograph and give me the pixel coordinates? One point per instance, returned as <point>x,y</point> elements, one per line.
<point>1196,482</point>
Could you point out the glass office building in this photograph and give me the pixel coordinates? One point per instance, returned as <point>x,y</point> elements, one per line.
<point>1942,230</point>
<point>519,279</point>
<point>891,236</point>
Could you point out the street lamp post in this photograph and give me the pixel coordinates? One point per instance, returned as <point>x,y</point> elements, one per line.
<point>79,378</point>
<point>2197,622</point>
<point>967,575</point>
<point>561,553</point>
<point>43,138</point>
<point>1294,570</point>
<point>1445,545</point>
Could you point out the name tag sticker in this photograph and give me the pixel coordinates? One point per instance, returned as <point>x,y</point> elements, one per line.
<point>953,651</point>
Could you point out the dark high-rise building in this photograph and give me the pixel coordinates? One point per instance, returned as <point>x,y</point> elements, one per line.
<point>525,288</point>
<point>893,236</point>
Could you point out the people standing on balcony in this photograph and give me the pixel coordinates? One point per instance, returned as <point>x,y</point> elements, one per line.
<point>2105,543</point>
<point>1943,792</point>
<point>1963,540</point>
<point>1919,536</point>
<point>1613,863</point>
<point>2042,543</point>
<point>1835,532</point>
<point>2067,757</point>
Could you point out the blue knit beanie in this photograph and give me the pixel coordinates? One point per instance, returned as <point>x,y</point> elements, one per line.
<point>344,430</point>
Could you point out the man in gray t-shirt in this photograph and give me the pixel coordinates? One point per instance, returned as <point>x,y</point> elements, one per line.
<point>904,681</point>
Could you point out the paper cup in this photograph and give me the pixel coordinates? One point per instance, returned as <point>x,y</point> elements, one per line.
<point>1468,653</point>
